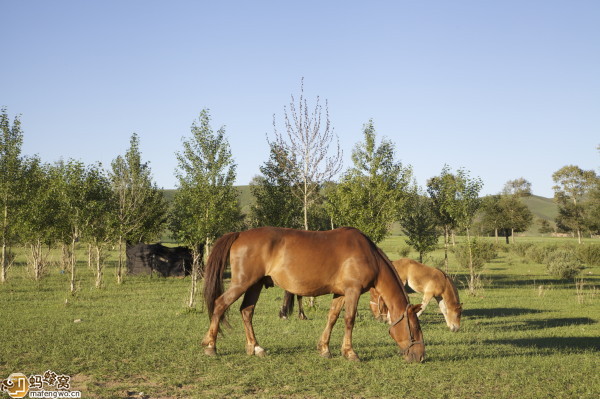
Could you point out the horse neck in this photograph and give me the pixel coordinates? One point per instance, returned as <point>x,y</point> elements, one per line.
<point>450,293</point>
<point>391,289</point>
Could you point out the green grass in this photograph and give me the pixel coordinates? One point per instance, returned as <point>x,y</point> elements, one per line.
<point>525,335</point>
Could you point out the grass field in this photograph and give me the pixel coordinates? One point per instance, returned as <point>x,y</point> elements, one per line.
<point>525,335</point>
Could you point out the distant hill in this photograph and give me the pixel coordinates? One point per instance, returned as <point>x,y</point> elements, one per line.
<point>541,207</point>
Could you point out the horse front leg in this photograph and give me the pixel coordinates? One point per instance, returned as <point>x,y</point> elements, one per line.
<point>426,298</point>
<point>351,304</point>
<point>334,313</point>
<point>247,311</point>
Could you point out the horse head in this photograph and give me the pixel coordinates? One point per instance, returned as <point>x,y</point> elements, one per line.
<point>406,331</point>
<point>452,316</point>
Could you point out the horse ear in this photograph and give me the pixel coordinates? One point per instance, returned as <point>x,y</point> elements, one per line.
<point>416,308</point>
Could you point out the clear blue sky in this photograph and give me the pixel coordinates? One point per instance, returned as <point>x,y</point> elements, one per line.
<point>504,89</point>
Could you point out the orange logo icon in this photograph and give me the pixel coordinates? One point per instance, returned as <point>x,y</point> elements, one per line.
<point>16,385</point>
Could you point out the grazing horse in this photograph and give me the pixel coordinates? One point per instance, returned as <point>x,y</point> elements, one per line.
<point>343,262</point>
<point>432,283</point>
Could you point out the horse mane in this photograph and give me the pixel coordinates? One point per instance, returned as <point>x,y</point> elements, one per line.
<point>386,261</point>
<point>452,285</point>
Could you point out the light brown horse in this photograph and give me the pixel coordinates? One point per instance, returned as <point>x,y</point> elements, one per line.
<point>432,283</point>
<point>343,262</point>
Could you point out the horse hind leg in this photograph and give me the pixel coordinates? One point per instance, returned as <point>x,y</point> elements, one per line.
<point>334,313</point>
<point>247,311</point>
<point>222,303</point>
<point>301,314</point>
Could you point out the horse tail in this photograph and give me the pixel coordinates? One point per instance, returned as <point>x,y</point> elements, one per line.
<point>215,266</point>
<point>288,305</point>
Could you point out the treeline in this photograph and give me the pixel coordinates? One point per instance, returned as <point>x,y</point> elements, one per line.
<point>61,204</point>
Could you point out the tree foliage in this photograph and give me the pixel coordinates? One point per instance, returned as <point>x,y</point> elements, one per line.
<point>276,204</point>
<point>11,173</point>
<point>419,223</point>
<point>371,193</point>
<point>140,210</point>
<point>572,189</point>
<point>206,204</point>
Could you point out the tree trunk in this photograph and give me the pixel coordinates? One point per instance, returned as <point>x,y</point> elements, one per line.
<point>512,235</point>
<point>3,273</point>
<point>471,271</point>
<point>99,267</point>
<point>73,261</point>
<point>4,263</point>
<point>496,234</point>
<point>446,239</point>
<point>90,250</point>
<point>120,264</point>
<point>195,274</point>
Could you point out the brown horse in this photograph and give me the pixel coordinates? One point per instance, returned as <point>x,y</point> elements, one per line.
<point>308,263</point>
<point>432,283</point>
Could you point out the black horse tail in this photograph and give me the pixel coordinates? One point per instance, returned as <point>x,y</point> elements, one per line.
<point>213,275</point>
<point>288,305</point>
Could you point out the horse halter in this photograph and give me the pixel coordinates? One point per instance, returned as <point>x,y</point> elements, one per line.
<point>412,338</point>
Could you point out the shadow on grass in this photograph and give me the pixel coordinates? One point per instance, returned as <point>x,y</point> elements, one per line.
<point>559,322</point>
<point>510,280</point>
<point>556,343</point>
<point>499,312</point>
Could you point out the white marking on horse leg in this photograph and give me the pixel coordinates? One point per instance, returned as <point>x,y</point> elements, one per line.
<point>389,317</point>
<point>260,352</point>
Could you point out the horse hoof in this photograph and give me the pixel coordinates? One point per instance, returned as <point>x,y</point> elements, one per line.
<point>326,355</point>
<point>260,352</point>
<point>353,357</point>
<point>210,351</point>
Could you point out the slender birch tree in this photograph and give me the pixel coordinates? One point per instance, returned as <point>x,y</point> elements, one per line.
<point>312,148</point>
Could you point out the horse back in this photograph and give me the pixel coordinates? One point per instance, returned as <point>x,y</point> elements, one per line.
<point>420,277</point>
<point>305,262</point>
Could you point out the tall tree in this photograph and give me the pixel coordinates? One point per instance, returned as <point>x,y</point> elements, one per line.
<point>37,225</point>
<point>491,212</point>
<point>306,142</point>
<point>468,203</point>
<point>11,198</point>
<point>519,187</point>
<point>206,204</point>
<point>442,190</point>
<point>275,203</point>
<point>141,209</point>
<point>573,184</point>
<point>419,222</point>
<point>517,216</point>
<point>76,191</point>
<point>98,216</point>
<point>371,193</point>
